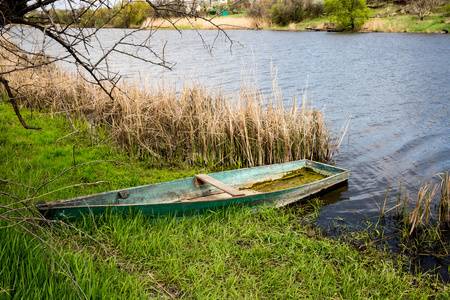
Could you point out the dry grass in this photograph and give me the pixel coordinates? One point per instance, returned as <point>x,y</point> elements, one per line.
<point>419,225</point>
<point>194,126</point>
<point>382,25</point>
<point>421,214</point>
<point>292,26</point>
<point>375,25</point>
<point>191,23</point>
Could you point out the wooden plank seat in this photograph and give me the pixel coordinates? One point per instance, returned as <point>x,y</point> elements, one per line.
<point>202,179</point>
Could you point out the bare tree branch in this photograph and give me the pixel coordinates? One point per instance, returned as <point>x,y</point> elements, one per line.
<point>13,102</point>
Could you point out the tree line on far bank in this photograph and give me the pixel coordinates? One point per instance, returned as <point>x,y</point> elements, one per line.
<point>348,14</point>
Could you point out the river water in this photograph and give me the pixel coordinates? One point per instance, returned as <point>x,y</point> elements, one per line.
<point>394,88</point>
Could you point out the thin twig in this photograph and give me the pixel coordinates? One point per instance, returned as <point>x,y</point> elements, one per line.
<point>160,286</point>
<point>79,165</point>
<point>63,188</point>
<point>22,185</point>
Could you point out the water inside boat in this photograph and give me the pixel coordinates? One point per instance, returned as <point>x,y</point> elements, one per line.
<point>292,179</point>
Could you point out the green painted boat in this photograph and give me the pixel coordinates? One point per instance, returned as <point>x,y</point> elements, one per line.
<point>272,185</point>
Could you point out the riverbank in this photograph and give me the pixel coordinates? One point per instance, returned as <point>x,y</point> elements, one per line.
<point>223,254</point>
<point>388,18</point>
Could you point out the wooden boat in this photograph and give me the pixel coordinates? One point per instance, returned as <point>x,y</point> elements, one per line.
<point>271,185</point>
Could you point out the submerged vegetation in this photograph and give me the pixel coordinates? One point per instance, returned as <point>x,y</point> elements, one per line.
<point>424,222</point>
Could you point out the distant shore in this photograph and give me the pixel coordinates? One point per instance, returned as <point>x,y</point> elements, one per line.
<point>384,19</point>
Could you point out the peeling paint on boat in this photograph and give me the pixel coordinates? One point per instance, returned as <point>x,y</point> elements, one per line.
<point>183,197</point>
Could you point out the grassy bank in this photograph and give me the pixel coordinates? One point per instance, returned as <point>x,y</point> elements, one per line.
<point>389,18</point>
<point>220,255</point>
<point>394,18</point>
<point>32,269</point>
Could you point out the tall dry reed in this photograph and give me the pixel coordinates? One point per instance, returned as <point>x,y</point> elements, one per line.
<point>420,215</point>
<point>195,126</point>
<point>444,200</point>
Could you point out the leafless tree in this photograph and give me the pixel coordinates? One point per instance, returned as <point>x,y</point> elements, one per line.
<point>424,8</point>
<point>77,40</point>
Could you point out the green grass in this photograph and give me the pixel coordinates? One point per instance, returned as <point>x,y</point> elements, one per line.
<point>225,254</point>
<point>234,254</point>
<point>436,22</point>
<point>238,15</point>
<point>413,23</point>
<point>33,157</point>
<point>401,22</point>
<point>310,23</point>
<point>28,273</point>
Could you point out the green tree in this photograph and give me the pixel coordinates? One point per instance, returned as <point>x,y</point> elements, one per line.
<point>347,13</point>
<point>130,14</point>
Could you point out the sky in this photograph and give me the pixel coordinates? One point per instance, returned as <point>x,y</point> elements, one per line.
<point>63,4</point>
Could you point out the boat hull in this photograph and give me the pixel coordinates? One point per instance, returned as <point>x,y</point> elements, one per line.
<point>183,197</point>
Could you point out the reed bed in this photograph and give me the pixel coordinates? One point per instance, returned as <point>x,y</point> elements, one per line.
<point>196,23</point>
<point>376,25</point>
<point>196,126</point>
<point>422,215</point>
<point>420,225</point>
